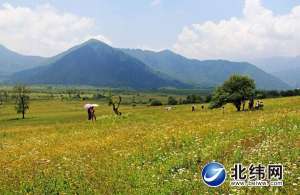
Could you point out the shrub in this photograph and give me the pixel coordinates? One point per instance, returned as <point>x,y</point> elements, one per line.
<point>172,101</point>
<point>98,96</point>
<point>192,99</point>
<point>155,102</point>
<point>208,98</point>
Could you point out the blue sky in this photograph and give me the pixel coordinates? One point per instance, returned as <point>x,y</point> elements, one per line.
<point>145,24</point>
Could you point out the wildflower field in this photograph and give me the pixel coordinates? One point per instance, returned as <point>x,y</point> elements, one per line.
<point>146,151</point>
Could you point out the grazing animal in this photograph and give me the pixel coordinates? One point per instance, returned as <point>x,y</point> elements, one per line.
<point>168,108</point>
<point>259,105</point>
<point>193,108</point>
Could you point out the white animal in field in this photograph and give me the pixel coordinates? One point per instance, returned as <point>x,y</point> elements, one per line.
<point>169,108</point>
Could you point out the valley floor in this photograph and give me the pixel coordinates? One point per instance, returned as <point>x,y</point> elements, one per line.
<point>146,151</point>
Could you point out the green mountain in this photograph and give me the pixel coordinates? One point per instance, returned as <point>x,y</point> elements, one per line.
<point>204,73</point>
<point>95,63</point>
<point>11,61</point>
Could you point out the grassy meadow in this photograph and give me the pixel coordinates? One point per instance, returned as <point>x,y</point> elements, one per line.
<point>146,151</point>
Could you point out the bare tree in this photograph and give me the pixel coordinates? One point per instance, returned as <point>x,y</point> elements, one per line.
<point>22,99</point>
<point>1,97</point>
<point>115,103</point>
<point>5,95</point>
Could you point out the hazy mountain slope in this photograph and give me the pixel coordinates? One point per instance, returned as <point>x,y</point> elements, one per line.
<point>11,61</point>
<point>285,68</point>
<point>204,73</point>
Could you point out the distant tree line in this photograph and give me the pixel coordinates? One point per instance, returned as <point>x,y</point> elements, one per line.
<point>237,90</point>
<point>249,93</point>
<point>190,99</point>
<point>263,94</point>
<point>8,95</point>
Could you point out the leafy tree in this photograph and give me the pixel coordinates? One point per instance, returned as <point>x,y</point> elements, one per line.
<point>236,90</point>
<point>172,101</point>
<point>22,99</point>
<point>219,98</point>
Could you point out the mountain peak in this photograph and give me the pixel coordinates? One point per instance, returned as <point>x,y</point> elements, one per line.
<point>167,51</point>
<point>3,48</point>
<point>96,63</point>
<point>95,42</point>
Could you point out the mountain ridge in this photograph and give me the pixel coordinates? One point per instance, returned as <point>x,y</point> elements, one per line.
<point>206,72</point>
<point>173,68</point>
<point>96,63</point>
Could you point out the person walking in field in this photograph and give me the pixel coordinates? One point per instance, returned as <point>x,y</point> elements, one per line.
<point>93,115</point>
<point>257,105</point>
<point>261,105</point>
<point>251,104</point>
<point>91,111</point>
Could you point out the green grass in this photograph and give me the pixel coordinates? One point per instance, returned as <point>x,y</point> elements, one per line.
<point>146,151</point>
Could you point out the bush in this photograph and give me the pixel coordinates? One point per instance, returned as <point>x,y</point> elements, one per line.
<point>77,97</point>
<point>192,99</point>
<point>262,94</point>
<point>172,101</point>
<point>85,98</point>
<point>155,102</point>
<point>208,98</point>
<point>98,96</point>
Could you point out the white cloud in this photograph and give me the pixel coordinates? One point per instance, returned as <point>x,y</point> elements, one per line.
<point>43,30</point>
<point>155,3</point>
<point>259,33</point>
